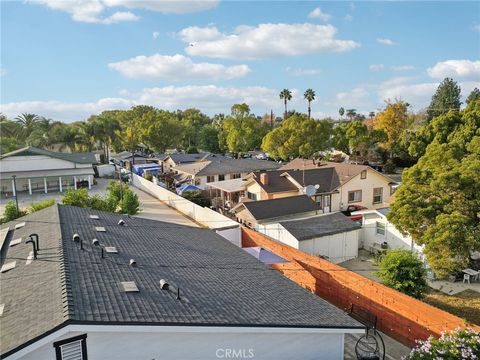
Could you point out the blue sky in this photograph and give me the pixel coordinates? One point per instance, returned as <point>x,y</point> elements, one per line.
<point>69,59</point>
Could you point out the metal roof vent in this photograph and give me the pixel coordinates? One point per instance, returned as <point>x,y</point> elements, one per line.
<point>129,286</point>
<point>111,249</point>
<point>76,237</point>
<point>8,266</point>
<point>95,242</point>
<point>20,225</point>
<point>100,229</point>
<point>121,222</point>
<point>133,263</point>
<point>16,242</point>
<point>163,284</point>
<point>94,217</point>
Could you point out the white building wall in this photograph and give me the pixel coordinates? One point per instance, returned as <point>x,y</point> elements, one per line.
<point>200,343</point>
<point>338,247</point>
<point>278,232</point>
<point>234,235</point>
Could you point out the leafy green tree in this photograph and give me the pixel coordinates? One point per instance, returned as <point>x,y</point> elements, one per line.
<point>357,134</point>
<point>297,136</point>
<point>402,270</point>
<point>129,204</point>
<point>27,123</point>
<point>473,96</point>
<point>208,138</point>
<point>447,97</point>
<point>286,96</point>
<point>160,129</point>
<point>196,197</point>
<point>309,95</point>
<point>438,201</point>
<point>77,197</point>
<point>192,120</point>
<point>10,213</point>
<point>339,138</point>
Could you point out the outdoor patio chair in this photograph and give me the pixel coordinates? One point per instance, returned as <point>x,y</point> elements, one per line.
<point>466,278</point>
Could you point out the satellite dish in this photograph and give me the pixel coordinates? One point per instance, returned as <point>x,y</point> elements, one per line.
<point>310,190</point>
<point>317,187</point>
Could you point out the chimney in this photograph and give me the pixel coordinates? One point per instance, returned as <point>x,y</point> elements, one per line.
<point>264,178</point>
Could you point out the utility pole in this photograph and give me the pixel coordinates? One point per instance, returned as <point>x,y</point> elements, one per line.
<point>15,191</point>
<point>271,118</point>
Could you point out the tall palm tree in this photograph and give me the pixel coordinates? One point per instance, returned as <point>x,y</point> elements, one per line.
<point>351,113</point>
<point>341,111</point>
<point>27,123</point>
<point>286,95</point>
<point>309,95</point>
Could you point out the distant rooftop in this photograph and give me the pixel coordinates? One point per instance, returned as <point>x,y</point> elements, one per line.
<point>79,158</point>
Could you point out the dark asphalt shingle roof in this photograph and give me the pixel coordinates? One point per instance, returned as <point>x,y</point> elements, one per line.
<point>224,165</point>
<point>79,158</point>
<point>275,208</point>
<point>276,182</point>
<point>319,226</point>
<point>220,284</point>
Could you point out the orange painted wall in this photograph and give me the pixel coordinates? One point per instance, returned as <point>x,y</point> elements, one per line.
<point>400,316</point>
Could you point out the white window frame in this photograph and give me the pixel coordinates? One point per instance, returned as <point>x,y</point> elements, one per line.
<point>62,345</point>
<point>354,200</point>
<point>382,227</point>
<point>381,195</point>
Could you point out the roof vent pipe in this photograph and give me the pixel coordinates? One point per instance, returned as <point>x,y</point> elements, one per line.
<point>77,238</point>
<point>95,242</point>
<point>163,284</point>
<point>133,263</point>
<point>178,293</point>
<point>121,222</point>
<point>103,254</point>
<point>36,240</point>
<point>31,241</point>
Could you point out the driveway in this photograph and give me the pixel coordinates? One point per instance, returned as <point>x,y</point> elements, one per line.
<point>154,209</point>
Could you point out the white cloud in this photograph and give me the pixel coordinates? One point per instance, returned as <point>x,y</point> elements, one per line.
<point>92,11</point>
<point>208,98</point>
<point>264,41</point>
<point>465,69</point>
<point>385,41</point>
<point>353,96</point>
<point>3,71</point>
<point>155,34</point>
<point>318,14</point>
<point>476,27</point>
<point>165,6</point>
<point>348,17</point>
<point>302,71</point>
<point>175,67</point>
<point>402,67</point>
<point>376,67</point>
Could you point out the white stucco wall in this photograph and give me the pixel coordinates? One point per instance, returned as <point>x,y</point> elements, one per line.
<point>195,343</point>
<point>234,235</point>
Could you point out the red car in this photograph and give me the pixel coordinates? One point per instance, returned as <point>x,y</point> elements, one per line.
<point>352,208</point>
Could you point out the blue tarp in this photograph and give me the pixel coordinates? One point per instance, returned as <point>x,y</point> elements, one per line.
<point>264,256</point>
<point>187,187</point>
<point>153,169</point>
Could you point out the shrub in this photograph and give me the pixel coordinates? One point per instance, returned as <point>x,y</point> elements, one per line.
<point>78,197</point>
<point>402,270</point>
<point>459,344</point>
<point>148,176</point>
<point>129,204</point>
<point>37,206</point>
<point>11,212</point>
<point>196,197</point>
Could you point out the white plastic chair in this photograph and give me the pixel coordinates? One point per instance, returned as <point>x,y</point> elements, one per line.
<point>466,278</point>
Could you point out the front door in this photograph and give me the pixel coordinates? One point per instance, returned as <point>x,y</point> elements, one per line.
<point>326,203</point>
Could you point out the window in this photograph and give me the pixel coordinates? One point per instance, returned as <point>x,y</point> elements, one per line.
<point>354,196</point>
<point>235,176</point>
<point>379,228</point>
<point>221,177</point>
<point>377,195</point>
<point>210,178</point>
<point>393,188</point>
<point>363,174</point>
<point>197,181</point>
<point>74,348</point>
<point>251,196</point>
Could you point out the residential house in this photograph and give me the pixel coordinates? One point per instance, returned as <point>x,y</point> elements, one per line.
<point>377,230</point>
<point>330,236</point>
<point>334,186</point>
<point>173,160</point>
<point>201,173</point>
<point>126,159</point>
<point>99,288</point>
<point>32,170</point>
<point>252,213</point>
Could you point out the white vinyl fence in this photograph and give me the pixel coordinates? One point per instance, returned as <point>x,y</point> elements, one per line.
<point>202,215</point>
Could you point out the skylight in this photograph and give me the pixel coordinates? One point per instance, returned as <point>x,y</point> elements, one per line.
<point>111,249</point>
<point>8,266</point>
<point>95,217</point>
<point>100,229</point>
<point>129,286</point>
<point>16,242</point>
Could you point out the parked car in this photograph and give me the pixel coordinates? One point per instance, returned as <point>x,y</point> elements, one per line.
<point>352,208</point>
